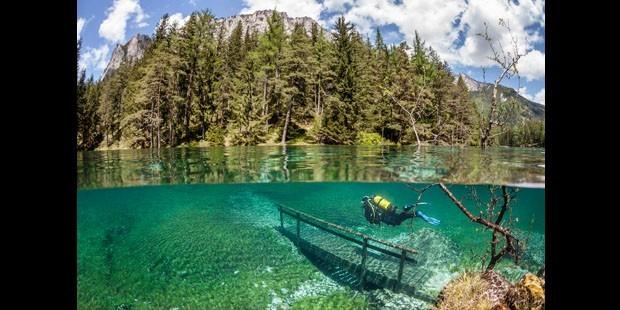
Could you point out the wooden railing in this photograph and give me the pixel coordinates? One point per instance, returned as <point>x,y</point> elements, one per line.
<point>357,237</point>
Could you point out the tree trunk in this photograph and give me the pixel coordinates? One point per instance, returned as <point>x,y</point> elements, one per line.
<point>158,129</point>
<point>251,91</point>
<point>286,121</point>
<point>202,129</point>
<point>170,142</point>
<point>417,137</point>
<point>275,83</point>
<point>158,117</point>
<point>484,138</point>
<point>152,123</point>
<point>265,96</point>
<point>318,101</point>
<point>188,107</point>
<point>202,115</point>
<point>411,119</point>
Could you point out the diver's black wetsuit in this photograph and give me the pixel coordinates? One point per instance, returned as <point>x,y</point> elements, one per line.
<point>395,218</point>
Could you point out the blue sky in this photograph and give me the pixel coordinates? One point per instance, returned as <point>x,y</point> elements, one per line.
<point>449,26</point>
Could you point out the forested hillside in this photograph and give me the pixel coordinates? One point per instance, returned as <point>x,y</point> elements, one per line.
<point>198,85</point>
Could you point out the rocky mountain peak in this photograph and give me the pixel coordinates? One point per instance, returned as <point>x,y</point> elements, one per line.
<point>257,22</point>
<point>129,52</point>
<point>472,85</point>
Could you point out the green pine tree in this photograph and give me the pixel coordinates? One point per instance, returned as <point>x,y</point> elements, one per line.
<point>270,54</point>
<point>297,73</point>
<point>341,112</point>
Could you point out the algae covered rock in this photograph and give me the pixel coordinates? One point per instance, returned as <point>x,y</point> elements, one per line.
<point>469,290</point>
<point>498,287</point>
<point>528,293</point>
<point>490,290</point>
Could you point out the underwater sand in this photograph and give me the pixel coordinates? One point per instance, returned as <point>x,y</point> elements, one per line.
<point>215,246</point>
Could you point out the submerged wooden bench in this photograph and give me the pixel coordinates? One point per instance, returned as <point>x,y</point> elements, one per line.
<point>372,259</point>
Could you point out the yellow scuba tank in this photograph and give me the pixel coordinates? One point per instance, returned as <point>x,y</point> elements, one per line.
<point>383,203</point>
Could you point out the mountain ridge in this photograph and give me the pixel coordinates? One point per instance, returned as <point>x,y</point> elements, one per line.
<point>481,93</point>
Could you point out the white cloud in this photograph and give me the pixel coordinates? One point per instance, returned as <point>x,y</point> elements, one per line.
<point>94,58</point>
<point>523,92</point>
<point>436,22</point>
<point>475,50</point>
<point>532,65</point>
<point>294,8</point>
<point>114,26</point>
<point>80,25</point>
<point>192,2</point>
<point>538,97</point>
<point>442,24</point>
<point>178,19</point>
<point>336,5</point>
<point>432,19</point>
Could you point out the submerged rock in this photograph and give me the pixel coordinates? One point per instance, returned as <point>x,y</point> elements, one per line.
<point>386,299</point>
<point>498,287</point>
<point>490,290</point>
<point>528,293</point>
<point>467,291</point>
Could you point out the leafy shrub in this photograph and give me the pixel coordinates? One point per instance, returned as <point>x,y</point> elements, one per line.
<point>215,135</point>
<point>369,138</point>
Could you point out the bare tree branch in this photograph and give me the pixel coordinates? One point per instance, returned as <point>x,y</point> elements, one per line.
<point>420,191</point>
<point>409,113</point>
<point>507,61</point>
<point>511,245</point>
<point>472,217</point>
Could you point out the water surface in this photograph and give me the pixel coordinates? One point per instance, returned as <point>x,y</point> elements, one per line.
<point>264,164</point>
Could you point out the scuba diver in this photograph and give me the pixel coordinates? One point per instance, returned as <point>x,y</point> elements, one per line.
<point>378,209</point>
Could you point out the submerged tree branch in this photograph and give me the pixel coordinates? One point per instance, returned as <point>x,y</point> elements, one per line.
<point>512,243</point>
<point>472,217</point>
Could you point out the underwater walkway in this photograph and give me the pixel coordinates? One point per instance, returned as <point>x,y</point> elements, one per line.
<point>362,260</point>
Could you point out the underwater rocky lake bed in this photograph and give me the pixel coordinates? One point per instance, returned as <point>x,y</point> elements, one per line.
<point>198,228</point>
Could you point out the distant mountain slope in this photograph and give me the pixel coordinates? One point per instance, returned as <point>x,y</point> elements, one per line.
<point>481,93</point>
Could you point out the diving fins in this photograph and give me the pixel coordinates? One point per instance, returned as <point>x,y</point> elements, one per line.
<point>410,206</point>
<point>428,219</point>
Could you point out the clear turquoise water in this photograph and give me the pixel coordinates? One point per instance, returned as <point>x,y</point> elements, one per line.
<point>215,246</point>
